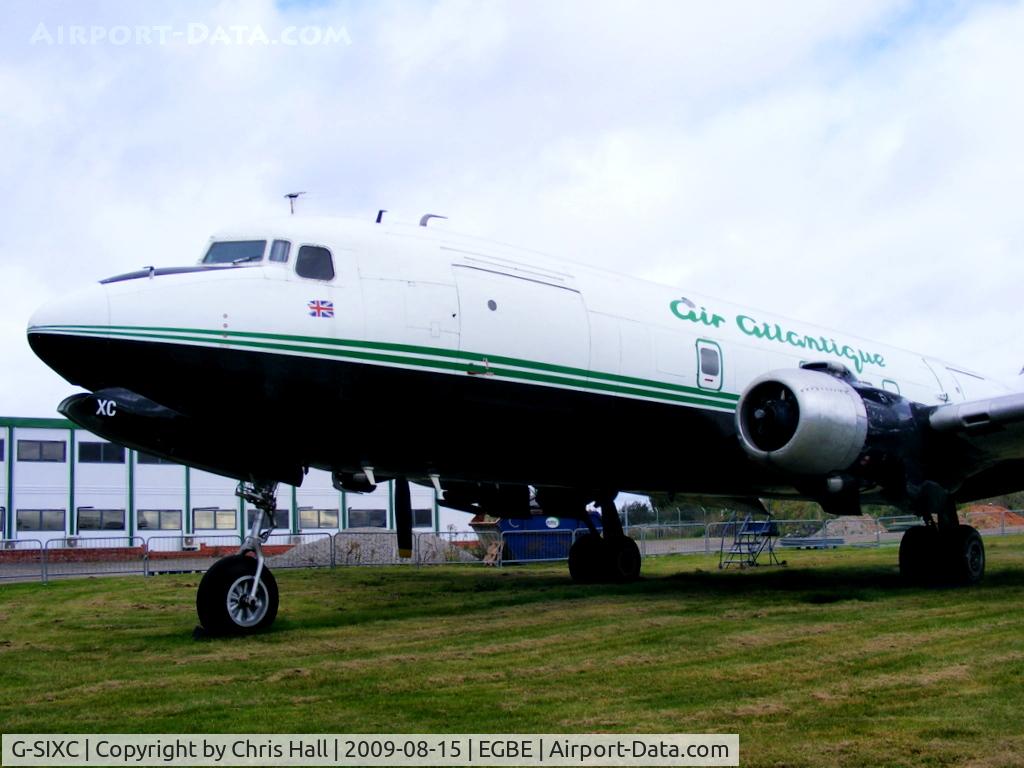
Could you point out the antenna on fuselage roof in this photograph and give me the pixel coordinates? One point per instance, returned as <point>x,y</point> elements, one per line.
<point>380,214</point>
<point>428,216</point>
<point>292,197</point>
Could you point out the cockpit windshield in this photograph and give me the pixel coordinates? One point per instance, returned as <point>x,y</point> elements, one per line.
<point>235,251</point>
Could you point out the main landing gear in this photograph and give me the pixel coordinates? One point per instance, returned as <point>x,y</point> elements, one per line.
<point>942,551</point>
<point>613,557</point>
<point>238,594</point>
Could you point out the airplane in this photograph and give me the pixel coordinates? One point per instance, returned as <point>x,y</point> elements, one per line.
<point>382,351</point>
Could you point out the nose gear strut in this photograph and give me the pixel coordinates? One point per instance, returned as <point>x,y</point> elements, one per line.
<point>238,594</point>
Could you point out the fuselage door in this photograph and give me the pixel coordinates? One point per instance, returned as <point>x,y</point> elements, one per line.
<point>525,319</point>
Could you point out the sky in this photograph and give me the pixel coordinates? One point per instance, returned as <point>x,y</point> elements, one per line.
<point>858,165</point>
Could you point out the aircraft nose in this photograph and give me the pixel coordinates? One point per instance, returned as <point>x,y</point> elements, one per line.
<point>82,310</point>
<point>64,332</point>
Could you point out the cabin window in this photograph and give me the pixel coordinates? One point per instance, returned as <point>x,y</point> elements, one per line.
<point>890,386</point>
<point>709,362</point>
<point>315,263</point>
<point>235,251</point>
<point>279,250</point>
<point>367,518</point>
<point>100,453</point>
<point>709,365</point>
<point>100,519</point>
<point>40,519</point>
<point>159,519</point>
<point>318,518</point>
<point>42,450</point>
<point>214,519</point>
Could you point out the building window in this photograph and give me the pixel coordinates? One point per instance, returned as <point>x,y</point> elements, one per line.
<point>2,454</point>
<point>100,453</point>
<point>42,450</point>
<point>367,518</point>
<point>40,519</point>
<point>280,518</point>
<point>318,518</point>
<point>100,519</point>
<point>3,521</point>
<point>159,519</point>
<point>149,458</point>
<point>315,263</point>
<point>214,519</point>
<point>422,518</point>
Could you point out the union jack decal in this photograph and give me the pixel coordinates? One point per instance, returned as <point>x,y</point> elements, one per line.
<point>320,308</point>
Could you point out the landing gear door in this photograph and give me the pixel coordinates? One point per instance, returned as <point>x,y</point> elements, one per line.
<point>709,365</point>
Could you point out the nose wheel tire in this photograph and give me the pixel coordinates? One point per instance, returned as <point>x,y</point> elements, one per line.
<point>225,603</point>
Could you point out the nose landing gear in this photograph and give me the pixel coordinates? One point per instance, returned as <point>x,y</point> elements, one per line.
<point>238,594</point>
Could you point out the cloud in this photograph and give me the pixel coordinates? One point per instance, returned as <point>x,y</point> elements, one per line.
<point>852,163</point>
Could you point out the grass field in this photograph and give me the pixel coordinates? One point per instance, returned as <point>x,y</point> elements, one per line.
<point>829,661</point>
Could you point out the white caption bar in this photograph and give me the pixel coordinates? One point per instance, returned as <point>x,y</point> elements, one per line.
<point>554,749</point>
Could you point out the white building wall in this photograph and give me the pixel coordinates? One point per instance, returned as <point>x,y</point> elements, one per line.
<point>73,486</point>
<point>7,513</point>
<point>214,495</point>
<point>41,485</point>
<point>161,490</point>
<point>97,486</point>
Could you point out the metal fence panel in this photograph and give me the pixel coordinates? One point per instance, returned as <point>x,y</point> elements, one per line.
<point>185,554</point>
<point>363,547</point>
<point>102,555</point>
<point>454,547</point>
<point>672,539</point>
<point>299,550</point>
<point>21,559</point>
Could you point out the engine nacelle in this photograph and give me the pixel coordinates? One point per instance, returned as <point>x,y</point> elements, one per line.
<point>802,421</point>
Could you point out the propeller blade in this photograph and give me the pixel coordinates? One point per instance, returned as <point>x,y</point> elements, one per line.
<point>403,517</point>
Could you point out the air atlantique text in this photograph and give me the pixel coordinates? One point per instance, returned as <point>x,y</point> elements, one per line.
<point>768,331</point>
<point>370,750</point>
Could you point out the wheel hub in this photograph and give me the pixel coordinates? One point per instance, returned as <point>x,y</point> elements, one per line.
<point>244,609</point>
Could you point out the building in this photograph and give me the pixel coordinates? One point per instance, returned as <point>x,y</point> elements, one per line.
<point>59,481</point>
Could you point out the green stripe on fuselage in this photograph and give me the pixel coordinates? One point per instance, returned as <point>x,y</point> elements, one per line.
<point>450,360</point>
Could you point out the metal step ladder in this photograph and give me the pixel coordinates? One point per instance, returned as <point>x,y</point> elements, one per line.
<point>748,540</point>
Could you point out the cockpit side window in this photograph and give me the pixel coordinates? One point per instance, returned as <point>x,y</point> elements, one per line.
<point>235,251</point>
<point>279,250</point>
<point>315,263</point>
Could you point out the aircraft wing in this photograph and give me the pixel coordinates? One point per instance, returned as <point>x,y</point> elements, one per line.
<point>979,418</point>
<point>984,440</point>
